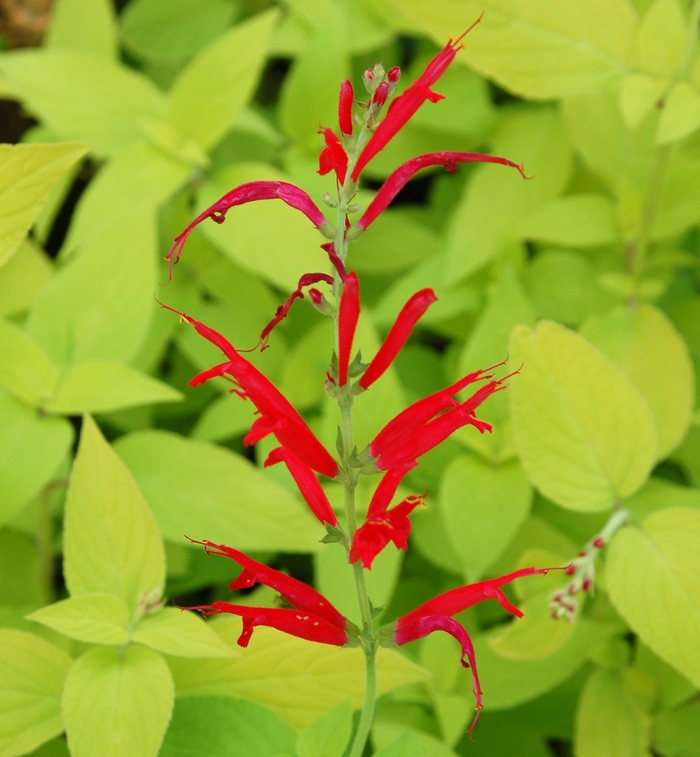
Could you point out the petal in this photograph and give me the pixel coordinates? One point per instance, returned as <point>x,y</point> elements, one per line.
<point>383,494</point>
<point>348,315</point>
<point>333,157</point>
<point>345,107</point>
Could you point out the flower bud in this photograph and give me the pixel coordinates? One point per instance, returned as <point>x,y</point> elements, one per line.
<point>599,542</point>
<point>393,75</point>
<point>380,94</point>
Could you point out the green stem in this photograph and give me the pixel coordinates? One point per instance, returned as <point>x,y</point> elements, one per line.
<point>367,716</point>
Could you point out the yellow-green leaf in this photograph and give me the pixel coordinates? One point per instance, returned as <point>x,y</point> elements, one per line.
<point>23,277</point>
<point>181,634</point>
<point>661,38</point>
<point>638,95</point>
<point>25,369</point>
<point>680,115</point>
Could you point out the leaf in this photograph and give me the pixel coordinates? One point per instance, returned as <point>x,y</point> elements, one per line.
<point>537,49</point>
<point>209,492</point>
<point>32,673</point>
<point>128,693</point>
<point>404,745</point>
<point>299,680</point>
<point>639,93</point>
<point>584,434</point>
<point>680,115</point>
<point>657,494</point>
<point>583,220</point>
<point>94,618</point>
<point>210,91</point>
<point>226,727</point>
<point>613,714</point>
<point>28,173</point>
<point>482,506</point>
<point>26,370</point>
<point>31,449</point>
<point>83,25</point>
<point>661,38</point>
<point>676,732</point>
<point>677,209</point>
<point>97,386</point>
<point>646,347</point>
<point>84,96</point>
<point>111,542</point>
<point>327,736</point>
<point>23,277</point>
<point>181,634</point>
<point>652,576</point>
<point>19,570</point>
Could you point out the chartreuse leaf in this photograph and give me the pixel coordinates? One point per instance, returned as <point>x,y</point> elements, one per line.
<point>536,48</point>
<point>100,303</point>
<point>680,115</point>
<point>28,173</point>
<point>83,25</point>
<point>181,634</point>
<point>584,434</point>
<point>226,727</point>
<point>111,542</point>
<point>197,488</point>
<point>405,745</point>
<point>95,618</point>
<point>84,96</point>
<point>209,93</point>
<point>482,506</point>
<point>269,238</point>
<point>613,714</point>
<point>26,370</point>
<point>97,386</point>
<point>386,730</point>
<point>647,348</point>
<point>31,449</point>
<point>662,37</point>
<point>298,679</point>
<point>653,578</point>
<point>638,95</point>
<point>674,688</point>
<point>32,673</point>
<point>327,736</point>
<point>117,702</point>
<point>23,277</point>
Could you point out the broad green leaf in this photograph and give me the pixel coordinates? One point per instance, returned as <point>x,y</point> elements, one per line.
<point>304,371</point>
<point>199,489</point>
<point>127,693</point>
<point>497,197</point>
<point>94,618</point>
<point>173,29</point>
<point>298,679</point>
<point>327,736</point>
<point>613,714</point>
<point>584,220</point>
<point>310,92</point>
<point>680,115</point>
<point>32,673</point>
<point>405,745</point>
<point>639,93</point>
<point>269,238</point>
<point>652,576</point>
<point>429,536</point>
<point>23,277</point>
<point>31,448</point>
<point>677,207</point>
<point>657,494</point>
<point>226,727</point>
<point>386,731</point>
<point>100,303</point>
<point>19,570</point>
<point>209,93</point>
<point>181,634</point>
<point>28,173</point>
<point>454,714</point>
<point>536,48</point>
<point>646,347</point>
<point>83,25</point>
<point>585,435</point>
<point>223,419</point>
<point>84,96</point>
<point>676,732</point>
<point>674,688</point>
<point>111,542</point>
<point>26,370</point>
<point>96,386</point>
<point>661,38</point>
<point>482,506</point>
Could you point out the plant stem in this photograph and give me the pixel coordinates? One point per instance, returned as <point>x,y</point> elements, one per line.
<point>367,716</point>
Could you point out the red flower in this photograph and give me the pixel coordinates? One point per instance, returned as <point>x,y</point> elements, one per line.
<point>333,156</point>
<point>348,315</point>
<point>345,101</point>
<point>435,615</point>
<point>277,416</point>
<point>311,617</point>
<point>250,192</point>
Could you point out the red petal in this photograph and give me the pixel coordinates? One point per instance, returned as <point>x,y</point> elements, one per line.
<point>348,315</point>
<point>383,494</point>
<point>333,157</point>
<point>345,107</point>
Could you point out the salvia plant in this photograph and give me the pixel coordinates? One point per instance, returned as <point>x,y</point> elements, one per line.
<point>306,358</point>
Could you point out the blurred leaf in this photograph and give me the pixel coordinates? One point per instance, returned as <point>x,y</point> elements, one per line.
<point>210,91</point>
<point>639,93</point>
<point>405,745</point>
<point>227,727</point>
<point>661,38</point>
<point>111,542</point>
<point>224,418</point>
<point>206,491</point>
<point>26,370</point>
<point>676,732</point>
<point>658,494</point>
<point>23,277</point>
<point>129,693</point>
<point>94,618</point>
<point>674,688</point>
<point>32,673</point>
<point>304,371</point>
<point>181,634</point>
<point>653,578</point>
<point>680,115</point>
<point>28,173</point>
<point>585,435</point>
<point>327,736</point>
<point>677,207</point>
<point>19,569</point>
<point>87,25</point>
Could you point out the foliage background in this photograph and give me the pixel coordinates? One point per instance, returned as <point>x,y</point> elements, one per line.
<point>144,114</point>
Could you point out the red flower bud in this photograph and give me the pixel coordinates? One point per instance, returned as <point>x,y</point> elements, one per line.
<point>380,94</point>
<point>599,542</point>
<point>348,314</point>
<point>345,107</point>
<point>393,75</point>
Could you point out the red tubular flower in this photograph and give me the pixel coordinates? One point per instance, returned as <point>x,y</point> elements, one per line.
<point>333,156</point>
<point>348,314</point>
<point>398,179</point>
<point>397,336</point>
<point>277,416</point>
<point>435,615</point>
<point>251,192</point>
<point>308,484</point>
<point>345,101</point>
<point>313,617</point>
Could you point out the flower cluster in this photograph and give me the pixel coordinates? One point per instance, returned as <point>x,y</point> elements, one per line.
<point>395,450</point>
